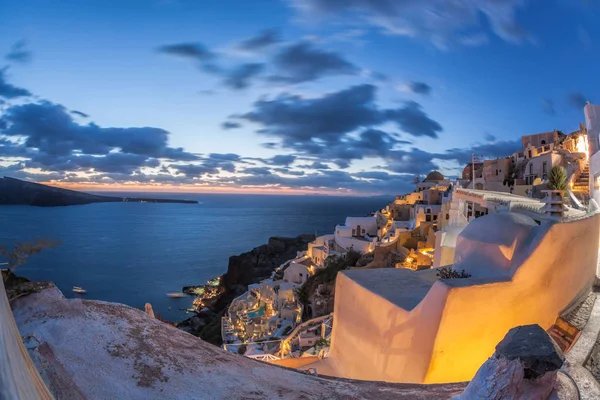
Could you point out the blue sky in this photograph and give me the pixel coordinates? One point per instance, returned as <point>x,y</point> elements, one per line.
<point>352,96</point>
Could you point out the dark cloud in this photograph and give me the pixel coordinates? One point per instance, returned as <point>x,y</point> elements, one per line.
<point>191,170</point>
<point>489,137</point>
<point>377,175</point>
<point>50,128</point>
<point>79,113</point>
<point>257,171</point>
<point>194,51</point>
<point>419,87</point>
<point>315,165</point>
<point>9,91</point>
<point>302,62</point>
<point>18,53</point>
<point>289,171</point>
<point>413,161</point>
<point>269,145</point>
<point>497,149</point>
<point>577,100</point>
<point>342,164</point>
<point>411,119</point>
<point>224,156</point>
<point>47,136</point>
<point>113,162</point>
<point>284,160</point>
<point>223,161</point>
<point>338,127</point>
<point>241,76</point>
<point>297,120</point>
<point>264,39</point>
<point>440,22</point>
<point>548,106</point>
<point>231,125</point>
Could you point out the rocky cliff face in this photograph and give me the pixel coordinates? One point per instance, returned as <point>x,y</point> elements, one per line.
<point>261,261</point>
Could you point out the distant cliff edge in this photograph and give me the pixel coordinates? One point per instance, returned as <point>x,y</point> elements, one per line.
<point>18,192</point>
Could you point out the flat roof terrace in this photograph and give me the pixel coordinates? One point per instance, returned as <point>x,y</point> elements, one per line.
<point>399,286</point>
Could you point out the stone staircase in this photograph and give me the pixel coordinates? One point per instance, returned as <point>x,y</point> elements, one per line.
<point>581,186</point>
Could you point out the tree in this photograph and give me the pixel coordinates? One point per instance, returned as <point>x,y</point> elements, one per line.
<point>18,254</point>
<point>557,179</point>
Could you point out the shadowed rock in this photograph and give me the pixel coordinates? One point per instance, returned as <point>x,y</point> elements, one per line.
<point>524,366</point>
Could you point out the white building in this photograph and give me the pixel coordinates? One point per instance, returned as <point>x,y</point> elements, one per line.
<point>346,240</point>
<point>362,225</point>
<point>297,272</point>
<point>321,248</point>
<point>592,122</point>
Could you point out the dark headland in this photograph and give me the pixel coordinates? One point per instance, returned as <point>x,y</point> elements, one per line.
<point>17,192</point>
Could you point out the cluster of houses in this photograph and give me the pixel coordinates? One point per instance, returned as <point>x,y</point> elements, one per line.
<point>416,231</point>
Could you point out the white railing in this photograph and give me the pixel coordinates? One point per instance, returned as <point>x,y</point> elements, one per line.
<point>19,379</point>
<point>294,333</point>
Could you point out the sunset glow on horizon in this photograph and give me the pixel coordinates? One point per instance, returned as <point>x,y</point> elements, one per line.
<point>284,101</point>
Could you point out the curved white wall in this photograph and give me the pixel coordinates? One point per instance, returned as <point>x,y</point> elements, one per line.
<point>380,334</point>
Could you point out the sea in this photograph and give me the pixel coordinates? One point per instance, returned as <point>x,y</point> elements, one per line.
<point>135,253</point>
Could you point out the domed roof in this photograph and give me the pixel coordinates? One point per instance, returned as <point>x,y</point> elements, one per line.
<point>494,252</point>
<point>434,176</point>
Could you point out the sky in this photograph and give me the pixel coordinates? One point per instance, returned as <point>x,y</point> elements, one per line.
<point>351,97</point>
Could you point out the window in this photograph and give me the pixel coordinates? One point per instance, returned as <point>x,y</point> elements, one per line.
<point>530,169</point>
<point>447,216</point>
<point>544,167</point>
<point>543,142</point>
<point>529,153</point>
<point>353,232</point>
<point>363,231</point>
<point>496,172</point>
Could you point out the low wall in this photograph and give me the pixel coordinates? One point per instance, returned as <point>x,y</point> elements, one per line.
<point>555,272</point>
<point>19,379</point>
<point>373,337</point>
<point>387,330</point>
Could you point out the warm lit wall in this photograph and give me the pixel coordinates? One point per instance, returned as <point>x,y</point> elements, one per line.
<point>555,271</point>
<point>373,338</point>
<point>457,323</point>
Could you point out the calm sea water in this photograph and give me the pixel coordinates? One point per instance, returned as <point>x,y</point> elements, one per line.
<point>134,253</point>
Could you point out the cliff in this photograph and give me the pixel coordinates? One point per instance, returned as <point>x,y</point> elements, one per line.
<point>243,270</point>
<point>18,192</point>
<point>97,350</point>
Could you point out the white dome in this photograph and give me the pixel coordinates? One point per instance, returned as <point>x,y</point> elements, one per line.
<point>488,245</point>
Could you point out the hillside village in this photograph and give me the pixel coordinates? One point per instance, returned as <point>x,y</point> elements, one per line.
<point>291,315</point>
<point>487,277</point>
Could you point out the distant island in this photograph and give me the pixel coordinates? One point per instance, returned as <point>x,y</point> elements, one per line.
<point>17,192</point>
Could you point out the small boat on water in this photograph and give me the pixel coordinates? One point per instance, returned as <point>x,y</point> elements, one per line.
<point>78,289</point>
<point>175,295</point>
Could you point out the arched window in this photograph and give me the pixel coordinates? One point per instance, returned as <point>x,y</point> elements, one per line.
<point>543,142</point>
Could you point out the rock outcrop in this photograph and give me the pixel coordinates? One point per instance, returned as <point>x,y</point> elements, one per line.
<point>524,367</point>
<point>97,350</point>
<point>261,261</point>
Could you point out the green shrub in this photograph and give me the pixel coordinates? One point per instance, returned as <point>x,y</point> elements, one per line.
<point>449,273</point>
<point>557,179</point>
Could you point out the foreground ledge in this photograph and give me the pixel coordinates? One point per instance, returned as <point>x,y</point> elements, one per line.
<point>92,349</point>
